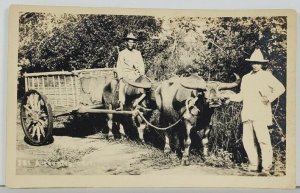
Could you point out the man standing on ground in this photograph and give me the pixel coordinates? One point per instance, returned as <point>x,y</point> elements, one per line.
<point>259,89</point>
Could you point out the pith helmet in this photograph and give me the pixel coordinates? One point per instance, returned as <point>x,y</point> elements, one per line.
<point>257,56</point>
<point>130,36</point>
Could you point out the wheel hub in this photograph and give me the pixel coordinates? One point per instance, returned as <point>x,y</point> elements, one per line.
<point>35,117</point>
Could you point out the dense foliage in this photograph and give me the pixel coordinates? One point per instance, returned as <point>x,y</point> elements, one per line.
<point>67,42</point>
<point>213,47</point>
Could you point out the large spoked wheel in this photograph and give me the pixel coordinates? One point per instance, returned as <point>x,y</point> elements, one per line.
<point>36,119</point>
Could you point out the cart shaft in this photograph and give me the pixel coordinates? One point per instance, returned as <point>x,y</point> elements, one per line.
<point>103,111</point>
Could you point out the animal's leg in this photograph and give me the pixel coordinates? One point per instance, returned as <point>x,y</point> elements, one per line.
<point>141,129</point>
<point>205,141</point>
<point>109,122</point>
<point>187,143</point>
<point>116,130</point>
<point>121,130</point>
<point>167,148</point>
<point>122,87</point>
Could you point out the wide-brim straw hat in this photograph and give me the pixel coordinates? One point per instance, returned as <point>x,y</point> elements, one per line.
<point>141,82</point>
<point>257,56</point>
<point>130,36</point>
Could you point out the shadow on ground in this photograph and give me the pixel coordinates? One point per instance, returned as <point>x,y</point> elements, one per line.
<point>79,125</point>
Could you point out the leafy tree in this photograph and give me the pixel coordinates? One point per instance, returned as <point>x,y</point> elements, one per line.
<point>68,42</point>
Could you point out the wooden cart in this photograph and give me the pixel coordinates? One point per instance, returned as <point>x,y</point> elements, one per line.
<point>53,94</point>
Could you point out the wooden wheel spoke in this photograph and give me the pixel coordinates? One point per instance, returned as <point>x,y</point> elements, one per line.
<point>38,132</point>
<point>42,122</point>
<point>36,102</point>
<point>46,122</point>
<point>34,131</point>
<point>43,115</point>
<point>33,101</point>
<point>42,103</point>
<point>30,101</point>
<point>43,125</point>
<point>28,109</point>
<point>29,128</point>
<point>27,118</point>
<point>39,106</point>
<point>42,131</point>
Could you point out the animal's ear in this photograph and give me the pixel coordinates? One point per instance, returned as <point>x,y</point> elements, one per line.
<point>141,91</point>
<point>195,93</point>
<point>182,94</point>
<point>111,86</point>
<point>158,97</point>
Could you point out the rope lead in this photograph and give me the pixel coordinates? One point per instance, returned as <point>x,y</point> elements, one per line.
<point>160,128</point>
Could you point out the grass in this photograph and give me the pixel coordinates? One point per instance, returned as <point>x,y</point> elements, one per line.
<point>64,157</point>
<point>226,148</point>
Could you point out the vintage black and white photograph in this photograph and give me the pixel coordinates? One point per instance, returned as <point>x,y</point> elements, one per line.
<point>131,94</point>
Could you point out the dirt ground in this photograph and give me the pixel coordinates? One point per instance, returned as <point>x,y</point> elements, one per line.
<point>92,154</point>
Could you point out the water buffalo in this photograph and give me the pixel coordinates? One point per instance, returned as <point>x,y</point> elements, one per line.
<point>191,99</point>
<point>138,97</point>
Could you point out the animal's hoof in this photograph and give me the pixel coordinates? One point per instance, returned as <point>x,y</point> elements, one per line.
<point>185,161</point>
<point>117,136</point>
<point>102,135</point>
<point>109,136</point>
<point>105,136</point>
<point>139,142</point>
<point>173,156</point>
<point>167,150</point>
<point>205,152</point>
<point>204,158</point>
<point>120,108</point>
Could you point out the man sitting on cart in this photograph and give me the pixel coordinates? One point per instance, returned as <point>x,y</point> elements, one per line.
<point>130,66</point>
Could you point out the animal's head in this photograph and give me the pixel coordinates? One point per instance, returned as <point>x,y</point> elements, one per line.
<point>212,90</point>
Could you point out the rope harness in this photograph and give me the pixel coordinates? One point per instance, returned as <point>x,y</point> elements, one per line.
<point>188,105</point>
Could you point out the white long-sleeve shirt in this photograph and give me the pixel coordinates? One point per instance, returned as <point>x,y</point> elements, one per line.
<point>254,86</point>
<point>129,64</point>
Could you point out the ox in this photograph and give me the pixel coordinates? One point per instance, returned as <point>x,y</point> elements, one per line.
<point>191,99</point>
<point>138,97</point>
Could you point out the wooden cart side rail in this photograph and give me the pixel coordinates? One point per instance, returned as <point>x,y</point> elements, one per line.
<point>75,72</point>
<point>95,69</point>
<point>47,73</point>
<point>64,90</point>
<point>60,90</point>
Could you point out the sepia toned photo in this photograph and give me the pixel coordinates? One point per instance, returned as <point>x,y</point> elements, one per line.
<point>151,98</point>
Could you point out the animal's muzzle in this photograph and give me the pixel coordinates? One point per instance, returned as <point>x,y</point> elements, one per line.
<point>214,102</point>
